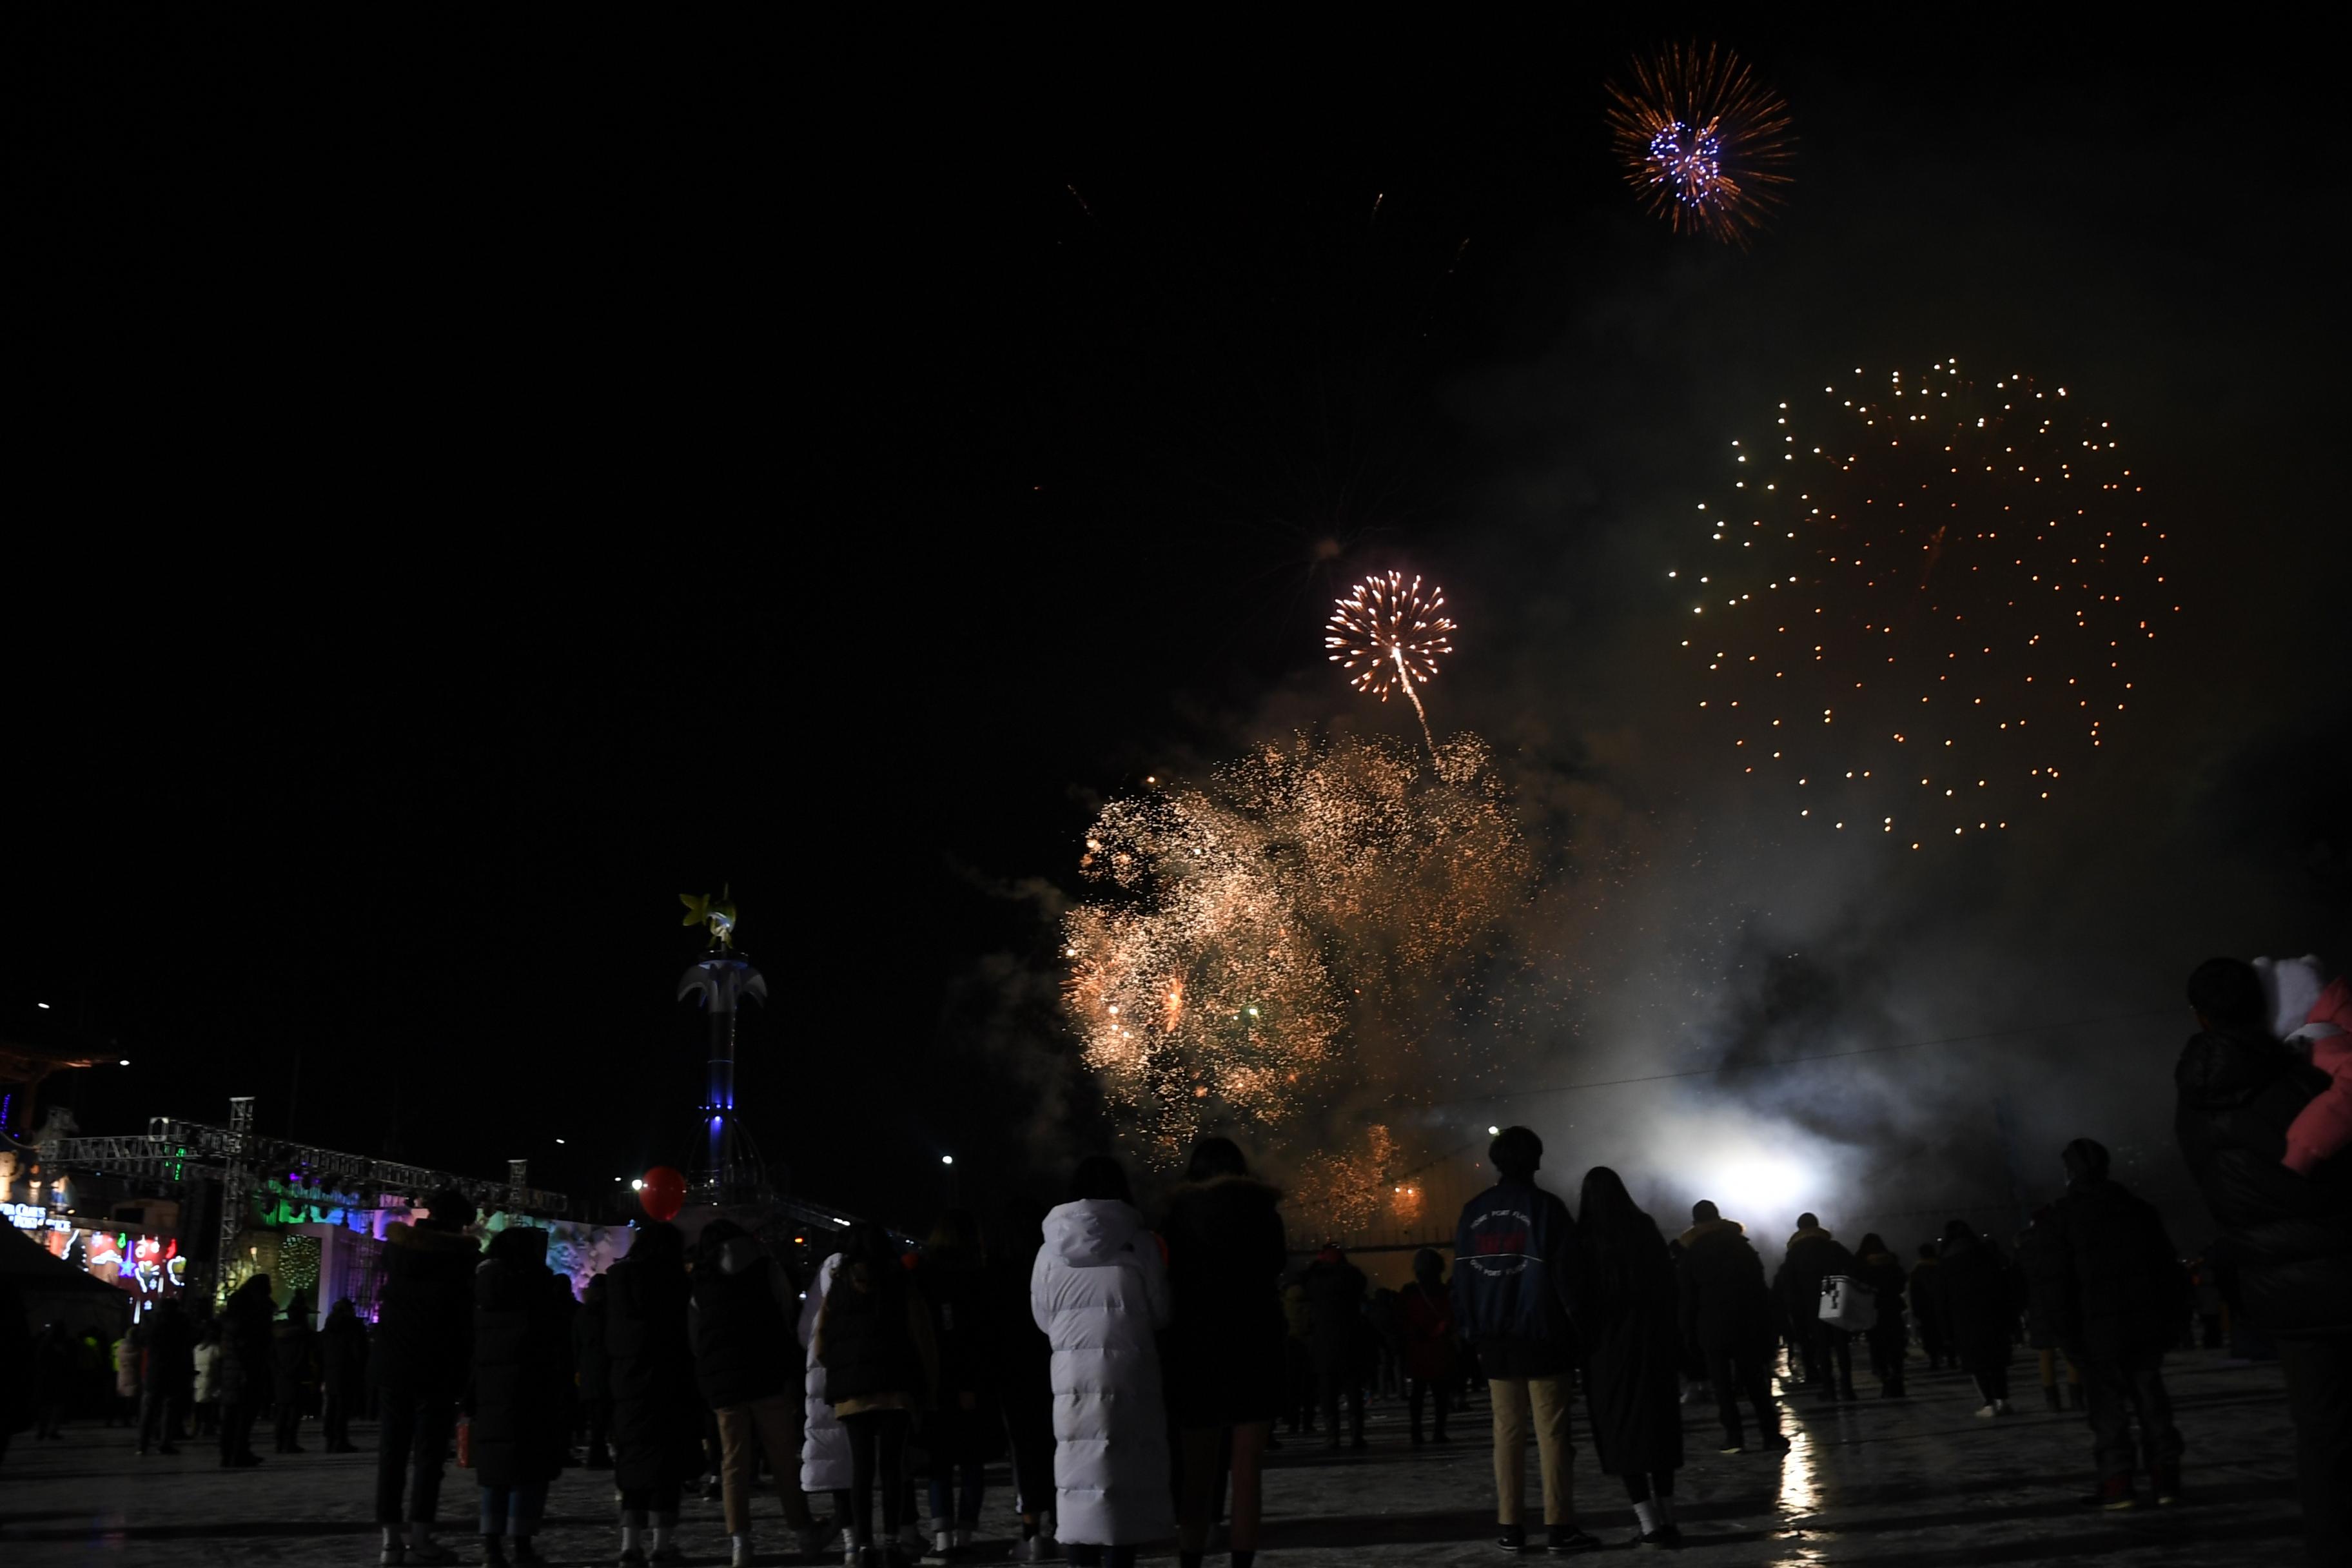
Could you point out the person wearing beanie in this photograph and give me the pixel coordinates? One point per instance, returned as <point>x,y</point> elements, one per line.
<point>1514,1260</point>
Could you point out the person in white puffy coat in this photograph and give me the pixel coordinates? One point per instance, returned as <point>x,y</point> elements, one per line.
<point>1099,1291</point>
<point>824,1443</point>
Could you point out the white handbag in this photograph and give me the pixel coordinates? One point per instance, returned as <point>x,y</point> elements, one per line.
<point>1849,1304</point>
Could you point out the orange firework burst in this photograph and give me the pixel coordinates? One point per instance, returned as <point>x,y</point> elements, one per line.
<point>1703,142</point>
<point>1386,635</point>
<point>1313,896</point>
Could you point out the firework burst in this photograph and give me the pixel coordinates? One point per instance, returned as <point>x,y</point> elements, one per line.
<point>1702,141</point>
<point>1251,934</point>
<point>1917,605</point>
<point>1386,635</point>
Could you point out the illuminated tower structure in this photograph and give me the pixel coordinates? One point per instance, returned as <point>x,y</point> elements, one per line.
<point>729,1170</point>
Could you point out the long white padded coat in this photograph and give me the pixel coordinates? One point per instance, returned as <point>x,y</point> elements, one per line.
<point>1099,1291</point>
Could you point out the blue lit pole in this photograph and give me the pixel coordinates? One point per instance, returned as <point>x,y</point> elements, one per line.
<point>719,980</point>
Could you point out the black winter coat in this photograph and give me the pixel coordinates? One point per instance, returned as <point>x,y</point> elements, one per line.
<point>520,1396</point>
<point>866,1339</point>
<point>425,1321</point>
<point>1335,1311</point>
<point>1928,1307</point>
<point>342,1355</point>
<point>1812,1257</point>
<point>594,1368</point>
<point>1881,1272</point>
<point>1625,1316</point>
<point>291,1344</point>
<point>2042,1261</point>
<point>746,1345</point>
<point>2124,1294</point>
<point>1223,1354</point>
<point>171,1353</point>
<point>965,1330</point>
<point>2287,1239</point>
<point>1724,1303</point>
<point>244,1371</point>
<point>1978,1297</point>
<point>656,1427</point>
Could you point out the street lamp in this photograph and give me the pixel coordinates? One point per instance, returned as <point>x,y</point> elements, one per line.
<point>947,1159</point>
<point>1494,1132</point>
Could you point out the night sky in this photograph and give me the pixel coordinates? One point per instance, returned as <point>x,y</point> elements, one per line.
<point>471,488</point>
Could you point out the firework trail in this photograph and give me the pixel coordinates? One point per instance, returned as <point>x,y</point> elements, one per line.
<point>1702,141</point>
<point>1388,636</point>
<point>1254,935</point>
<point>1915,607</point>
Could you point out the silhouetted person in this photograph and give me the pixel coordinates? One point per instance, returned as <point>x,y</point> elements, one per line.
<point>245,1372</point>
<point>1927,1307</point>
<point>2041,1259</point>
<point>1335,1306</point>
<point>1513,1266</point>
<point>1024,1380</point>
<point>1727,1312</point>
<point>1881,1273</point>
<point>2116,1301</point>
<point>169,1376</point>
<point>748,1365</point>
<point>2287,1239</point>
<point>1429,1361</point>
<point>290,1341</point>
<point>965,1431</point>
<point>1980,1295</point>
<point>342,1374</point>
<point>423,1354</point>
<point>1625,1316</point>
<point>518,1395</point>
<point>55,1362</point>
<point>1225,1343</point>
<point>593,1369</point>
<point>656,1410</point>
<point>1826,1349</point>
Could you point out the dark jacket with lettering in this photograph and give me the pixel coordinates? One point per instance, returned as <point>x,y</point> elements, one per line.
<point>1512,1278</point>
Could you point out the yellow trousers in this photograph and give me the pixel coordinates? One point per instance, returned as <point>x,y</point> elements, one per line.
<point>1541,1403</point>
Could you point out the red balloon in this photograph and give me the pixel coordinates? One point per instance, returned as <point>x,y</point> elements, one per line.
<point>664,1193</point>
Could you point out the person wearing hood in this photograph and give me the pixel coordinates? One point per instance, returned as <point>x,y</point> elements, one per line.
<point>424,1352</point>
<point>1978,1291</point>
<point>1429,1362</point>
<point>966,1431</point>
<point>1223,1348</point>
<point>1099,1291</point>
<point>881,1366</point>
<point>825,1442</point>
<point>291,1342</point>
<point>748,1367</point>
<point>1024,1374</point>
<point>2117,1302</point>
<point>515,1397</point>
<point>1881,1273</point>
<point>657,1413</point>
<point>1334,1308</point>
<point>1625,1292</point>
<point>2286,1239</point>
<point>245,1373</point>
<point>342,1373</point>
<point>1727,1312</point>
<point>1513,1266</point>
<point>1826,1351</point>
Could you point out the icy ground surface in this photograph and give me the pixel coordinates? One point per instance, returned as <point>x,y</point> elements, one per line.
<point>1919,1483</point>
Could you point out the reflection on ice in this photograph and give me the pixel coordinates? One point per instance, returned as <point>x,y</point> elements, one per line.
<point>1799,1499</point>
